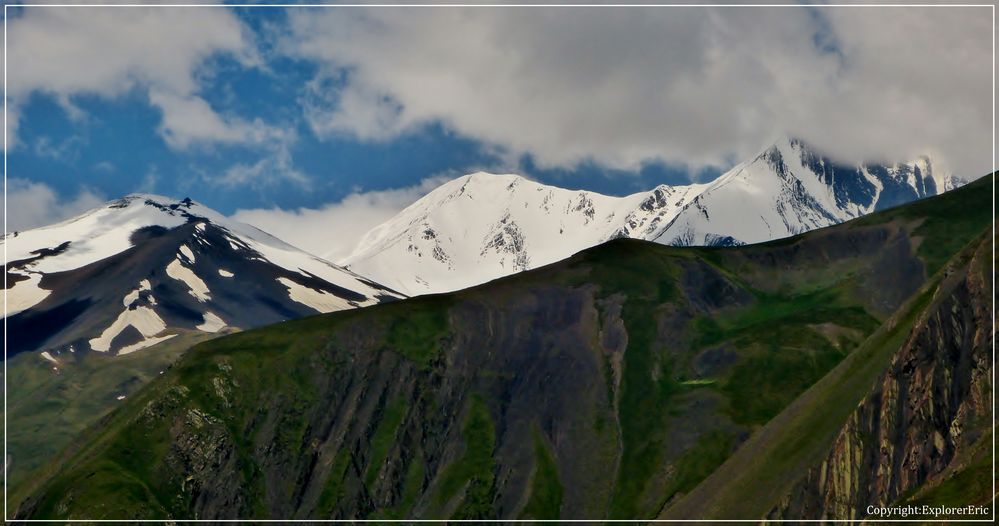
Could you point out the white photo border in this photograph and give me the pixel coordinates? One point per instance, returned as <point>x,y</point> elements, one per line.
<point>447,5</point>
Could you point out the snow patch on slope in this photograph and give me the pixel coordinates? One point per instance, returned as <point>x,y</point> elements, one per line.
<point>316,299</point>
<point>133,296</point>
<point>187,252</point>
<point>25,294</point>
<point>212,323</point>
<point>148,342</point>
<point>196,287</point>
<point>143,319</point>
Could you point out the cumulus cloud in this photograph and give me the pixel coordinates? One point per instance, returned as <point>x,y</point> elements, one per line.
<point>333,230</point>
<point>32,204</point>
<point>105,51</point>
<point>696,86</point>
<point>188,119</point>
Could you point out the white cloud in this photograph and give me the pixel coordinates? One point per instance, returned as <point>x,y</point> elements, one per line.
<point>354,109</point>
<point>105,51</point>
<point>31,204</point>
<point>333,230</point>
<point>276,167</point>
<point>189,120</point>
<point>697,86</point>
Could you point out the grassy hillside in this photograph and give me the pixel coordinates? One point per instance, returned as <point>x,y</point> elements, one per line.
<point>50,403</point>
<point>610,385</point>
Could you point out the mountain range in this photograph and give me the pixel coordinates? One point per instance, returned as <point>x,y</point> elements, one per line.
<point>146,268</point>
<point>810,377</point>
<point>483,226</point>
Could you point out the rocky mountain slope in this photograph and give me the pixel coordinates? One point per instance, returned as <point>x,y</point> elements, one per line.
<point>484,226</point>
<point>906,419</point>
<point>926,417</point>
<point>142,269</point>
<point>615,384</point>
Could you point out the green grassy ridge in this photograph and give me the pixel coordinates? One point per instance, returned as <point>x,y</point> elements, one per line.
<point>785,353</point>
<point>85,476</point>
<point>800,435</point>
<point>767,381</point>
<point>947,222</point>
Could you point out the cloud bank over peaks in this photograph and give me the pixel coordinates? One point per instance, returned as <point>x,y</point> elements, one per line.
<point>622,86</point>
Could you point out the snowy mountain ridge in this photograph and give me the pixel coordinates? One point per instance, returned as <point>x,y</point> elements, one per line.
<point>143,268</point>
<point>483,226</point>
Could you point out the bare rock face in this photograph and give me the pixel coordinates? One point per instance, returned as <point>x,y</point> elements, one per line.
<point>929,407</point>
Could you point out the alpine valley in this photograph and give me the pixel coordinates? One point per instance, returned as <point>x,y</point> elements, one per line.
<point>811,376</point>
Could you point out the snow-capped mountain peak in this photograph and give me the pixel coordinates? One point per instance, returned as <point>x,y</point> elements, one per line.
<point>469,229</point>
<point>143,268</point>
<point>790,188</point>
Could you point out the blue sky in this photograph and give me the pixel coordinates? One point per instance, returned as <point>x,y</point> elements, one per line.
<point>290,110</point>
<point>116,148</point>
